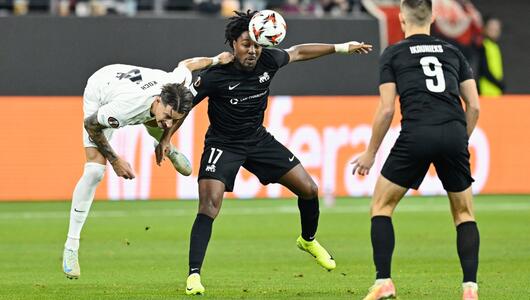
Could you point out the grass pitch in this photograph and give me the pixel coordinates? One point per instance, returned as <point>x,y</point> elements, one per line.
<point>139,250</point>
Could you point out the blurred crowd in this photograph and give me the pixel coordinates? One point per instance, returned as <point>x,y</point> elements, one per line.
<point>133,7</point>
<point>457,21</point>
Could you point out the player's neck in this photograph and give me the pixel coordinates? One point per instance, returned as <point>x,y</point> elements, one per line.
<point>412,30</point>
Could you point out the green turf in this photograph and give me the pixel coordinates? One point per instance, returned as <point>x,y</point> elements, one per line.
<point>139,250</point>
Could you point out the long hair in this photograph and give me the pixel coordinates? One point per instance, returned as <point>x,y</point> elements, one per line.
<point>237,25</point>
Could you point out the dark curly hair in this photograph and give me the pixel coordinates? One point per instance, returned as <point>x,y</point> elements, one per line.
<point>237,25</point>
<point>177,96</point>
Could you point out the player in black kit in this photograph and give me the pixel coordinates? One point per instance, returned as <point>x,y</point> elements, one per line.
<point>429,75</point>
<point>238,94</point>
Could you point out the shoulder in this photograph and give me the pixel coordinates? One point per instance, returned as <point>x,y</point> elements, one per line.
<point>452,48</point>
<point>274,57</point>
<point>391,51</point>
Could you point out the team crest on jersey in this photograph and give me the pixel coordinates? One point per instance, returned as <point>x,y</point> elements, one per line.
<point>264,77</point>
<point>113,122</point>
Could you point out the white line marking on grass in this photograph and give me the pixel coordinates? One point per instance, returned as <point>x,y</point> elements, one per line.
<point>284,209</point>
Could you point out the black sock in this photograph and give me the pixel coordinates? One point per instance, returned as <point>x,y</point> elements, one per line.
<point>382,233</point>
<point>200,236</point>
<point>467,244</point>
<point>309,217</point>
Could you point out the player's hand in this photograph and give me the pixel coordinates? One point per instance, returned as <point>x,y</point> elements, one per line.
<point>225,58</point>
<point>123,168</point>
<point>363,163</point>
<point>161,150</point>
<point>359,48</point>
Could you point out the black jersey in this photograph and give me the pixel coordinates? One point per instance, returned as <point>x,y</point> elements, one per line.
<point>427,72</point>
<point>237,99</point>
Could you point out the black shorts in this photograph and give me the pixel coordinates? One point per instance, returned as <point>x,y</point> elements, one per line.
<point>266,158</point>
<point>446,146</point>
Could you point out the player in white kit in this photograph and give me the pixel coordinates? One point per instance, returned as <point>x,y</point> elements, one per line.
<point>119,95</point>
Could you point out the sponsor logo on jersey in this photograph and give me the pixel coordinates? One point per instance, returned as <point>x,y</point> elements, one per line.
<point>210,168</point>
<point>113,122</point>
<point>231,87</point>
<point>264,77</point>
<point>235,101</point>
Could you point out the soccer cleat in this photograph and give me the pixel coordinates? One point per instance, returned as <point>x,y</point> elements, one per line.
<point>318,252</point>
<point>193,285</point>
<point>382,289</point>
<point>71,264</point>
<point>179,161</point>
<point>470,291</point>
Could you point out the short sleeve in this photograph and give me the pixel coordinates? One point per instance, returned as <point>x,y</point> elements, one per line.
<point>386,72</point>
<point>465,71</point>
<point>279,57</point>
<point>200,88</point>
<point>181,75</point>
<point>109,116</point>
<point>123,111</point>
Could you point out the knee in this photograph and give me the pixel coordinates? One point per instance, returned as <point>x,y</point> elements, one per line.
<point>210,205</point>
<point>94,172</point>
<point>309,190</point>
<point>463,214</point>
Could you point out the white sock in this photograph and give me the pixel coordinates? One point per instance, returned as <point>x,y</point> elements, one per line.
<point>82,199</point>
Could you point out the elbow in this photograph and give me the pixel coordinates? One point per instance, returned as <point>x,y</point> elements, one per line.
<point>474,109</point>
<point>388,113</point>
<point>184,64</point>
<point>86,124</point>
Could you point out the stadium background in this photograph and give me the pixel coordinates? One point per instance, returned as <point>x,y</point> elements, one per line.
<point>320,111</point>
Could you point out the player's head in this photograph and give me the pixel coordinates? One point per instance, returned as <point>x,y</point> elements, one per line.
<point>246,51</point>
<point>492,28</point>
<point>174,103</point>
<point>416,13</point>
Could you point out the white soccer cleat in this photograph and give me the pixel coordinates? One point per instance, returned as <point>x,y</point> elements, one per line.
<point>71,264</point>
<point>179,161</point>
<point>469,291</point>
<point>382,289</point>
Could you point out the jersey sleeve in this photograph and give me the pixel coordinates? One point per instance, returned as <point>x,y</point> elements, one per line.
<point>120,112</point>
<point>278,57</point>
<point>386,72</point>
<point>200,88</point>
<point>181,75</point>
<point>465,71</point>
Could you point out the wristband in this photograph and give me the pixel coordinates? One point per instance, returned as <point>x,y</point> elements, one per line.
<point>342,48</point>
<point>215,60</point>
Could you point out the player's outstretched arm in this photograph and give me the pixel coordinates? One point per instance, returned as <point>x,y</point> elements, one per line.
<point>199,63</point>
<point>95,131</point>
<point>382,120</point>
<point>468,91</point>
<point>311,51</point>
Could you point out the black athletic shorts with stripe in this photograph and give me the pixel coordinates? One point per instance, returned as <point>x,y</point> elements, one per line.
<point>265,157</point>
<point>445,146</point>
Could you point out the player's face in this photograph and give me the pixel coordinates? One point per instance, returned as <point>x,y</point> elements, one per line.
<point>165,116</point>
<point>246,51</point>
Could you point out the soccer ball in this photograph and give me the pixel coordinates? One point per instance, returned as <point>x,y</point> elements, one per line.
<point>267,28</point>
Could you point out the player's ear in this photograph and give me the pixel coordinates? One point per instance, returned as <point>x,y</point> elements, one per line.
<point>433,18</point>
<point>401,19</point>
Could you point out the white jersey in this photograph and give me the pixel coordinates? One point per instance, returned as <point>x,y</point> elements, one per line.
<point>123,94</point>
